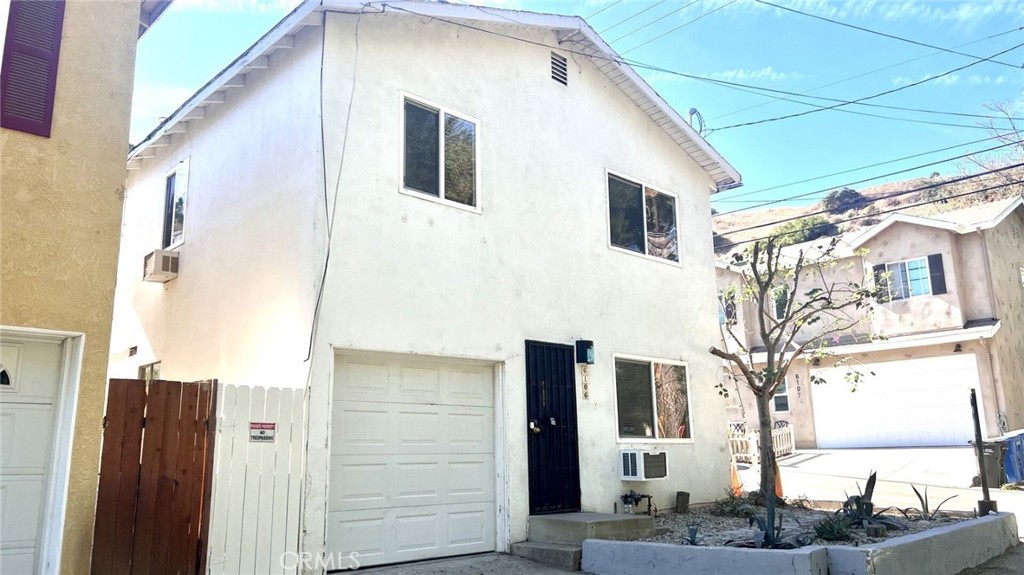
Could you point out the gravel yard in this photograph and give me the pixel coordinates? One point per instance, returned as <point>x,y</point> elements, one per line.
<point>715,530</point>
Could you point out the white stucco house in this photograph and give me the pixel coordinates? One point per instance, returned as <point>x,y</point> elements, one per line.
<point>415,211</point>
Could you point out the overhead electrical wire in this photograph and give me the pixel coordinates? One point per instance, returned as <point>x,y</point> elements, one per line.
<point>903,171</point>
<point>655,21</point>
<point>653,68</point>
<point>873,215</point>
<point>683,25</point>
<point>871,97</point>
<point>847,171</point>
<point>602,9</point>
<point>627,19</point>
<point>892,36</point>
<point>868,73</point>
<point>886,196</point>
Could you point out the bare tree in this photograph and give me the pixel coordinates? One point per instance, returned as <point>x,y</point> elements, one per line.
<point>800,304</point>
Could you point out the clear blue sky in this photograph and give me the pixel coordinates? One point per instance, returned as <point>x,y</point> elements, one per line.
<point>741,41</point>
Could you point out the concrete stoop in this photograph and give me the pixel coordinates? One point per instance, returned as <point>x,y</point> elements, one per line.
<point>565,557</point>
<point>557,540</point>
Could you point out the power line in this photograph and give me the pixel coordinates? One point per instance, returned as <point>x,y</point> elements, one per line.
<point>885,197</point>
<point>683,25</point>
<point>892,36</point>
<point>887,92</point>
<point>602,9</point>
<point>655,21</point>
<point>650,67</point>
<point>857,169</point>
<point>868,73</point>
<point>627,19</point>
<point>876,214</point>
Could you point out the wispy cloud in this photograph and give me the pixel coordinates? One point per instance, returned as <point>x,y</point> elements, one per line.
<point>949,80</point>
<point>902,10</point>
<point>979,80</point>
<point>766,74</point>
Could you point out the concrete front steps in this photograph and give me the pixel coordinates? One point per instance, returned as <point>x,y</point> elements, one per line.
<point>557,540</point>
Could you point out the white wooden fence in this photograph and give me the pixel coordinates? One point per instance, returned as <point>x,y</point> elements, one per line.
<point>257,484</point>
<point>745,447</point>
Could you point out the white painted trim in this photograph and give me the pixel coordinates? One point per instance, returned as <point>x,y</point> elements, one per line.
<point>905,342</point>
<point>441,110</point>
<point>66,408</point>
<point>654,401</point>
<point>502,523</point>
<point>608,173</point>
<point>935,223</point>
<point>182,167</point>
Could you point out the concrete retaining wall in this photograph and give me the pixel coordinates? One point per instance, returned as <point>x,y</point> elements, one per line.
<point>941,551</point>
<point>631,558</point>
<point>946,550</point>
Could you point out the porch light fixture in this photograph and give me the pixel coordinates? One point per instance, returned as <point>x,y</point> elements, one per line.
<point>958,348</point>
<point>585,351</point>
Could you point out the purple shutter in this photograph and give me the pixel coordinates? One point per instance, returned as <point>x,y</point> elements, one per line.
<point>28,74</point>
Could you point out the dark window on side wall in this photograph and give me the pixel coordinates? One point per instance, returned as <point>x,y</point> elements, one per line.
<point>28,72</point>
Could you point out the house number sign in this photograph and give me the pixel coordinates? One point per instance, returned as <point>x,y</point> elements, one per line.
<point>262,432</point>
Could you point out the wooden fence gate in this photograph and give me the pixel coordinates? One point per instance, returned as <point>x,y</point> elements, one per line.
<point>153,504</point>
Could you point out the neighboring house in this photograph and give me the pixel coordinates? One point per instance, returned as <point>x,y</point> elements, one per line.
<point>416,211</point>
<point>65,101</point>
<point>953,321</point>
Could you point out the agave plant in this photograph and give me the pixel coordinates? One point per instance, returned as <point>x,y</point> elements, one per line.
<point>860,511</point>
<point>925,513</point>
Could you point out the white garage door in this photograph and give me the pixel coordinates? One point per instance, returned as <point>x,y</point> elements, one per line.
<point>907,403</point>
<point>412,459</point>
<point>30,375</point>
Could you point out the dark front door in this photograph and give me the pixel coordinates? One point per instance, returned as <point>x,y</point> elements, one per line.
<point>551,428</point>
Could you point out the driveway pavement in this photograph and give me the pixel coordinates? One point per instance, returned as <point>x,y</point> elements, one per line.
<point>485,564</point>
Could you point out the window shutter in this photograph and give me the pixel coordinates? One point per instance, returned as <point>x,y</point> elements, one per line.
<point>938,275</point>
<point>880,282</point>
<point>28,74</point>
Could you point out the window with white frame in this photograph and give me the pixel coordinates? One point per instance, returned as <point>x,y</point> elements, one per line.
<point>641,219</point>
<point>440,153</point>
<point>175,200</point>
<point>652,399</point>
<point>149,372</point>
<point>726,308</point>
<point>905,279</point>
<point>780,401</point>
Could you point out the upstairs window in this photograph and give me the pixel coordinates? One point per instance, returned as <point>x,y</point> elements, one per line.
<point>440,154</point>
<point>175,196</point>
<point>911,278</point>
<point>780,401</point>
<point>781,301</point>
<point>642,220</point>
<point>726,308</point>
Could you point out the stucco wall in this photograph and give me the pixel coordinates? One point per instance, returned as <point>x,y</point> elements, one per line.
<point>534,264</point>
<point>1006,260</point>
<point>916,314</point>
<point>972,280</point>
<point>61,206</point>
<point>241,307</point>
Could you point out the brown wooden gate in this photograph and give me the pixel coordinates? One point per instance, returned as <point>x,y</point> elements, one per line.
<point>152,508</point>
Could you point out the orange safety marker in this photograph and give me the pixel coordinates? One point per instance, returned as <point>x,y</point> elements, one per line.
<point>735,486</point>
<point>778,480</point>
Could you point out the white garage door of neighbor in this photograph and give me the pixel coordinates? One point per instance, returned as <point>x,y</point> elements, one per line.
<point>412,459</point>
<point>29,382</point>
<point>906,403</point>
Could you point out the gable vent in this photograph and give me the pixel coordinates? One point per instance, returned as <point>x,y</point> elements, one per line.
<point>559,69</point>
<point>1015,230</point>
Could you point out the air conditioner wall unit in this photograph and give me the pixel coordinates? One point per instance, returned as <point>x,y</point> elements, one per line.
<point>637,465</point>
<point>160,266</point>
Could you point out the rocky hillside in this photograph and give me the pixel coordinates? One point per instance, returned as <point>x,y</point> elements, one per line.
<point>868,205</point>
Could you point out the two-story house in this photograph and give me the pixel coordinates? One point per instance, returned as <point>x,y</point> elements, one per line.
<point>953,320</point>
<point>65,103</point>
<point>477,238</point>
